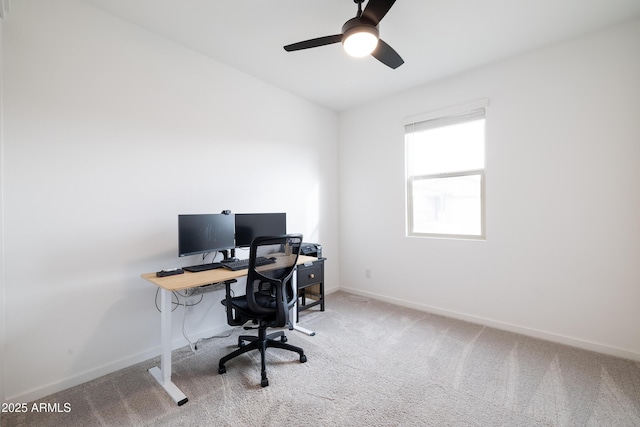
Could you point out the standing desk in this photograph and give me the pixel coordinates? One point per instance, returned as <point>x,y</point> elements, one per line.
<point>178,282</point>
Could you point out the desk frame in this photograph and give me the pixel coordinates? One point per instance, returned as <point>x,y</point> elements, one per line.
<point>178,282</point>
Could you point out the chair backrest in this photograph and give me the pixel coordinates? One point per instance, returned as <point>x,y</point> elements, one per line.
<point>269,289</point>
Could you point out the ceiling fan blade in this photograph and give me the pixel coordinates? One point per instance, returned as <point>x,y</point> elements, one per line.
<point>385,54</point>
<point>320,41</point>
<point>376,10</point>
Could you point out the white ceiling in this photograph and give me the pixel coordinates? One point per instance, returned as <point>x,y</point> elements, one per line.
<point>436,38</point>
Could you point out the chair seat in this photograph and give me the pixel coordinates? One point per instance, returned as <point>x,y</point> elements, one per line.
<point>241,304</point>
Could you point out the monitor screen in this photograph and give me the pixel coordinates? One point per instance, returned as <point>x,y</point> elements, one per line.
<point>250,226</point>
<point>202,233</point>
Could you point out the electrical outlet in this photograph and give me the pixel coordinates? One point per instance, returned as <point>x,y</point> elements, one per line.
<point>367,273</point>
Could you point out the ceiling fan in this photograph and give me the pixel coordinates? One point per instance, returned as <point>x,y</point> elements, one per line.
<point>360,35</point>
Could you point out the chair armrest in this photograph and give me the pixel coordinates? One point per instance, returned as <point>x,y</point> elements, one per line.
<point>231,320</point>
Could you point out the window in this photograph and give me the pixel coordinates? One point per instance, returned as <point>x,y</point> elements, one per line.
<point>445,173</point>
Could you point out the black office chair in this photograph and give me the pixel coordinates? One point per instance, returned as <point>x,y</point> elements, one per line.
<point>268,298</point>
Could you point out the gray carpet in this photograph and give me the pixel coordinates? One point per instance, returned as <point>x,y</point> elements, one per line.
<point>370,364</point>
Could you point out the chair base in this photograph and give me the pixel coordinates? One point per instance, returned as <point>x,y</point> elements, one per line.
<point>261,343</point>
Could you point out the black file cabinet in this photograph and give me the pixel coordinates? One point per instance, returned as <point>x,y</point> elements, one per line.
<point>310,286</point>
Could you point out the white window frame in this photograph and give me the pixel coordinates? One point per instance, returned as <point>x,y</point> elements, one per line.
<point>434,120</point>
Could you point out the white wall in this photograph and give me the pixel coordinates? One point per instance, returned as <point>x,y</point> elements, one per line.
<point>110,132</point>
<point>563,204</point>
<point>2,287</point>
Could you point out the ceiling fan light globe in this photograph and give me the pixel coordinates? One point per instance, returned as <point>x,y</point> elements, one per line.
<point>360,44</point>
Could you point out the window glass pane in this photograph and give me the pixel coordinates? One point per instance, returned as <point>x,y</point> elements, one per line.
<point>451,205</point>
<point>452,148</point>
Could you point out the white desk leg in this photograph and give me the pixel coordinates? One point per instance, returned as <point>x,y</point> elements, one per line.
<point>295,308</point>
<point>162,374</point>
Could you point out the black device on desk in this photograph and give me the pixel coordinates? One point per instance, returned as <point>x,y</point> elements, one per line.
<point>203,267</point>
<point>311,249</point>
<point>242,264</point>
<point>169,272</point>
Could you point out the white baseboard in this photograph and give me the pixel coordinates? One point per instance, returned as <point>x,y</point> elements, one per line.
<point>535,333</point>
<point>92,374</point>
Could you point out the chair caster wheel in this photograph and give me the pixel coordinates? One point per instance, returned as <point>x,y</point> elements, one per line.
<point>264,383</point>
<point>284,338</point>
<point>303,358</point>
<point>222,370</point>
<point>240,343</point>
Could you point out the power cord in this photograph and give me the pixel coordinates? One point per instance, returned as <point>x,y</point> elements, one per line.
<point>175,304</point>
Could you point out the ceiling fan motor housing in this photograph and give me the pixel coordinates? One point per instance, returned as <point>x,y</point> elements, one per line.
<point>356,25</point>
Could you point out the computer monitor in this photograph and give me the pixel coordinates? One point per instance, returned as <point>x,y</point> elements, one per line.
<point>203,233</point>
<point>250,226</point>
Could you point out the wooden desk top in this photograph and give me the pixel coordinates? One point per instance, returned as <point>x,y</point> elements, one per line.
<point>188,280</point>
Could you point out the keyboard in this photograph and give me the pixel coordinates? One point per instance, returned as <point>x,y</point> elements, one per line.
<point>242,264</point>
<point>203,267</point>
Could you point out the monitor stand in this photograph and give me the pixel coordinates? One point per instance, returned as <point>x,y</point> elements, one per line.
<point>227,257</point>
